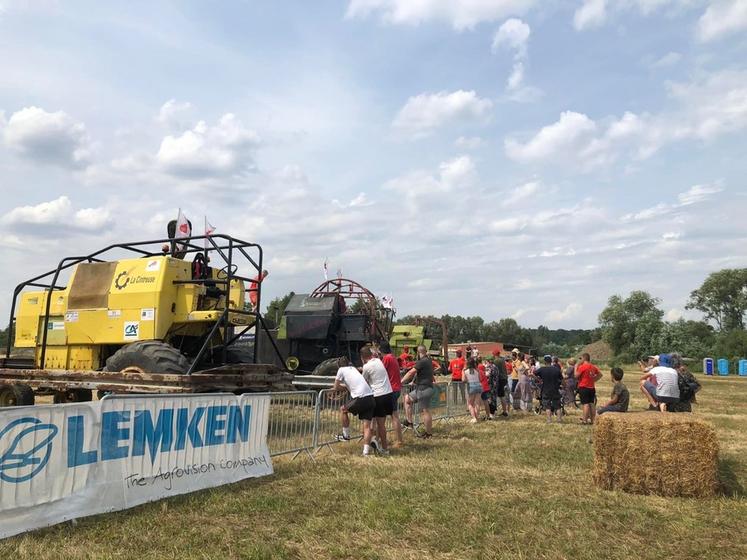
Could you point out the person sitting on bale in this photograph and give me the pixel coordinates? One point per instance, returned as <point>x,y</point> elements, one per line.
<point>620,398</point>
<point>660,385</point>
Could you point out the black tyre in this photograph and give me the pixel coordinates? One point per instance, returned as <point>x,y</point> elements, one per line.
<point>328,368</point>
<point>234,355</point>
<point>16,395</point>
<point>73,395</point>
<point>148,356</point>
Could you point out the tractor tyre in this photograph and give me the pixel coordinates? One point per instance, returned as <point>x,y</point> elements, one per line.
<point>234,355</point>
<point>327,368</point>
<point>72,395</point>
<point>148,356</point>
<point>16,395</point>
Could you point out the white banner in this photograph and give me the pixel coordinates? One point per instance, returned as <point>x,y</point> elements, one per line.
<point>61,462</point>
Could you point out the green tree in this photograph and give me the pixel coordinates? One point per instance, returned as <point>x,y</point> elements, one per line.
<point>632,325</point>
<point>723,298</point>
<point>276,308</point>
<point>693,339</point>
<point>731,345</point>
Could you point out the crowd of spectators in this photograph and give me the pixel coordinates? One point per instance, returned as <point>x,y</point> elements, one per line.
<point>495,386</point>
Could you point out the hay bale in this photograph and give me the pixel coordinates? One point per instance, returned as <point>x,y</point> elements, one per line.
<point>654,453</point>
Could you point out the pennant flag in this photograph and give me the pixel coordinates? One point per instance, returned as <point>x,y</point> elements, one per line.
<point>326,272</point>
<point>209,229</point>
<point>183,229</point>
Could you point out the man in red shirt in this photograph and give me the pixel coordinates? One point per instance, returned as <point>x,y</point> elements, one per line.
<point>405,357</point>
<point>392,368</point>
<point>587,374</point>
<point>254,287</point>
<point>456,366</point>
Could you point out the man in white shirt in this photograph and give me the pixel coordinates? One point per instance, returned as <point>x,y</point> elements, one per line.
<point>660,385</point>
<point>362,402</point>
<point>377,377</point>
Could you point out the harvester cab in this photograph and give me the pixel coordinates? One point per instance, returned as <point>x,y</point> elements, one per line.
<point>174,306</point>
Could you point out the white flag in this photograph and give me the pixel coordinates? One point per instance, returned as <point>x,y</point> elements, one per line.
<point>326,272</point>
<point>209,229</point>
<point>183,230</point>
<point>339,272</point>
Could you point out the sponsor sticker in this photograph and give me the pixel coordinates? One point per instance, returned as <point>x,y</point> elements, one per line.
<point>153,265</point>
<point>71,317</point>
<point>147,314</point>
<point>114,313</point>
<point>132,330</point>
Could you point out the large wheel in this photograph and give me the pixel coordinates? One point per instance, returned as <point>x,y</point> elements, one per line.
<point>73,395</point>
<point>328,368</point>
<point>234,355</point>
<point>148,356</point>
<point>16,395</point>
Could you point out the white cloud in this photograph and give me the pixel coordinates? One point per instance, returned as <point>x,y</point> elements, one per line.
<point>673,314</point>
<point>207,151</point>
<point>469,143</point>
<point>704,109</point>
<point>359,201</point>
<point>172,111</point>
<point>698,193</point>
<point>694,195</point>
<point>58,213</point>
<point>721,18</point>
<point>461,14</point>
<point>513,34</point>
<point>592,13</point>
<point>47,137</point>
<point>424,113</point>
<point>557,138</point>
<point>522,192</point>
<point>571,311</point>
<point>669,59</point>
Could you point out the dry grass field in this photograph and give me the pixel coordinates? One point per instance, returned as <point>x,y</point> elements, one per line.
<point>516,488</point>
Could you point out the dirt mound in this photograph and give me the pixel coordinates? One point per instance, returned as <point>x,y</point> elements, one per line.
<point>599,351</point>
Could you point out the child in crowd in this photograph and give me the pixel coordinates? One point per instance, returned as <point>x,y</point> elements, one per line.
<point>569,384</point>
<point>620,398</point>
<point>471,376</point>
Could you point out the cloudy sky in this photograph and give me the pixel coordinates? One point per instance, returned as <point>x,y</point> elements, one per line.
<point>507,158</point>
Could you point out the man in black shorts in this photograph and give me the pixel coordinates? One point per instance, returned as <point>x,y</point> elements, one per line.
<point>362,402</point>
<point>377,378</point>
<point>551,378</point>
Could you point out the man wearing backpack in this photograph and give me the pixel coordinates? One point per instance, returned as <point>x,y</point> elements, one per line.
<point>689,386</point>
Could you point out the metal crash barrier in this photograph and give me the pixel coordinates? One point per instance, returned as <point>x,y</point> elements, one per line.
<point>308,421</point>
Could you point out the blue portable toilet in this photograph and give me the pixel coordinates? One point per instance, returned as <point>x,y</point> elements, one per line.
<point>708,366</point>
<point>723,366</point>
<point>743,368</point>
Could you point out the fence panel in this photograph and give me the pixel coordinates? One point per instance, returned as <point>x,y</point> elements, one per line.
<point>292,426</point>
<point>457,399</point>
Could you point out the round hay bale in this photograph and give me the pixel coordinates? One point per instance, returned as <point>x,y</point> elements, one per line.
<point>655,453</point>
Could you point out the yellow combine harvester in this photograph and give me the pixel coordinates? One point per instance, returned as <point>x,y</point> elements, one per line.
<point>164,320</point>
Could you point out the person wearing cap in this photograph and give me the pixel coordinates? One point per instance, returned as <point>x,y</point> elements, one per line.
<point>660,385</point>
<point>551,378</point>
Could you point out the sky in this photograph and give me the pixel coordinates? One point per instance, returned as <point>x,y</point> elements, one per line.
<point>501,158</point>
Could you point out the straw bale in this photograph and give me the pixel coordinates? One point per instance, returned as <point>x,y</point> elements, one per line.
<point>656,453</point>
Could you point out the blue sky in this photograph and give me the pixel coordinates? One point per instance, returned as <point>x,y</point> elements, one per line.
<point>507,158</point>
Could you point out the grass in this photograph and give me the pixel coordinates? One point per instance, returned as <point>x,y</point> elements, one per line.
<point>516,489</point>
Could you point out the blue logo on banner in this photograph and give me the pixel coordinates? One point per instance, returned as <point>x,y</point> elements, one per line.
<point>19,466</point>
